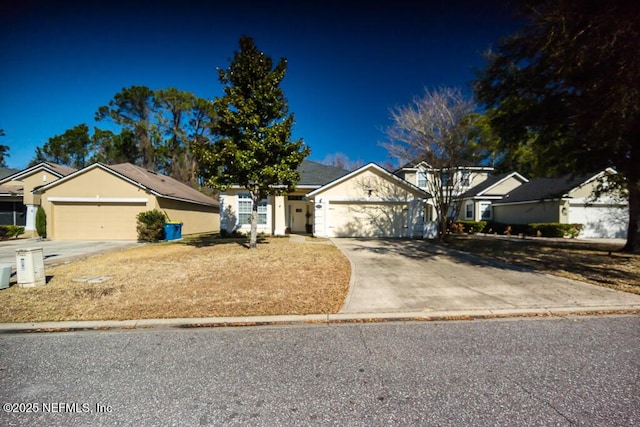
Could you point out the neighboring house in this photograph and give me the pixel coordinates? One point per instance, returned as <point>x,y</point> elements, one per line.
<point>18,206</point>
<point>476,202</point>
<point>100,202</point>
<point>368,202</point>
<point>462,178</point>
<point>568,200</point>
<point>277,215</point>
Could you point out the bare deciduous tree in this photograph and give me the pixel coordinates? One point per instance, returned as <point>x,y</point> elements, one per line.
<point>436,129</point>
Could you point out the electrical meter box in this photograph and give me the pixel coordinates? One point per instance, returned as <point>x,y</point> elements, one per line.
<point>30,267</point>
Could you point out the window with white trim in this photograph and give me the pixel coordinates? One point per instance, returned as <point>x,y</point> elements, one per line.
<point>466,178</point>
<point>244,210</point>
<point>422,179</point>
<point>468,210</point>
<point>485,211</point>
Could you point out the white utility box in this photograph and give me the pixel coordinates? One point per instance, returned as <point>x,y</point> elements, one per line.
<point>5,275</point>
<point>30,267</point>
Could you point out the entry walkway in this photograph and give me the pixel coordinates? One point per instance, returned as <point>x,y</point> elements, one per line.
<point>391,276</point>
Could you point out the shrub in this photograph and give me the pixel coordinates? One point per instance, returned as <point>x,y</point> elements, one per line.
<point>471,226</point>
<point>554,229</point>
<point>41,222</point>
<point>150,226</point>
<point>14,230</point>
<point>4,232</point>
<point>506,229</point>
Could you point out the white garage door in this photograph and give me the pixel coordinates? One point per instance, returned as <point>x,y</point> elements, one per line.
<point>600,221</point>
<point>89,221</point>
<point>368,219</point>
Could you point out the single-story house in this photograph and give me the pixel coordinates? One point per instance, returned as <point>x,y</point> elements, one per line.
<point>100,202</point>
<point>476,202</point>
<point>368,202</point>
<point>17,204</point>
<point>567,200</point>
<point>332,202</point>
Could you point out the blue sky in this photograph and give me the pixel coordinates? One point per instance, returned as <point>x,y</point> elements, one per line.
<point>348,62</point>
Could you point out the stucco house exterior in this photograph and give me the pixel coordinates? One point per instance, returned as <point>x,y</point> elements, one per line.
<point>369,202</point>
<point>567,200</point>
<point>18,202</point>
<point>100,202</point>
<point>332,202</point>
<point>476,203</point>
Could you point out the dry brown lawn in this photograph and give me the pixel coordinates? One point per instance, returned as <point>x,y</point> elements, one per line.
<point>198,277</point>
<point>596,263</point>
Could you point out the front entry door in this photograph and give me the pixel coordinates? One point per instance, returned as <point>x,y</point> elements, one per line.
<point>297,216</point>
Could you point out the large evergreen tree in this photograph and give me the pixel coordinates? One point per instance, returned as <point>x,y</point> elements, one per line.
<point>569,80</point>
<point>132,108</point>
<point>254,147</point>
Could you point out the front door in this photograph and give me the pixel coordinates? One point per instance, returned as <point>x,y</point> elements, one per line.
<point>297,216</point>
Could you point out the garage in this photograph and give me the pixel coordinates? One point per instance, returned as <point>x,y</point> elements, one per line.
<point>369,219</point>
<point>89,221</point>
<point>368,202</point>
<point>600,221</point>
<point>102,202</point>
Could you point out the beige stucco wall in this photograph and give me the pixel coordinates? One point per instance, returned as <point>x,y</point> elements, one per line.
<point>37,178</point>
<point>526,213</point>
<point>194,218</point>
<point>357,188</point>
<point>504,187</point>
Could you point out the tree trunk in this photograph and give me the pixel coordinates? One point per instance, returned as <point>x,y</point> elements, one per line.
<point>254,224</point>
<point>633,231</point>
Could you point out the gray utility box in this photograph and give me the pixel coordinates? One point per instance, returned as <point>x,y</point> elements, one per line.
<point>30,267</point>
<point>5,275</point>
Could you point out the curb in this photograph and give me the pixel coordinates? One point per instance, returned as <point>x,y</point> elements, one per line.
<point>310,319</point>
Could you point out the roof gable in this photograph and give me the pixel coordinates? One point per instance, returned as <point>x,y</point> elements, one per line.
<point>372,166</point>
<point>491,182</point>
<point>53,168</point>
<point>547,188</point>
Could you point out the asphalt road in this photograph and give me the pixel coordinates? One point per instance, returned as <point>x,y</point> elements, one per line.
<point>508,372</point>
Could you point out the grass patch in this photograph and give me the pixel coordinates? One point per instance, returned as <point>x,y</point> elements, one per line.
<point>596,263</point>
<point>198,277</point>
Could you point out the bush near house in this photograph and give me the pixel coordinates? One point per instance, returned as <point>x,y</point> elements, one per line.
<point>150,226</point>
<point>41,222</point>
<point>8,231</point>
<point>468,227</point>
<point>555,230</point>
<point>549,229</point>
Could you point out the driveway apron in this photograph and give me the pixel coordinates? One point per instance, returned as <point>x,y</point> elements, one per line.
<point>394,275</point>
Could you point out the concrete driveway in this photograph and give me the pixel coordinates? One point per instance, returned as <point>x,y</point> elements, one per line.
<point>56,251</point>
<point>412,276</point>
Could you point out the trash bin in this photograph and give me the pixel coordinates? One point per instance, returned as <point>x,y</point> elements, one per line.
<point>5,275</point>
<point>173,230</point>
<point>30,267</point>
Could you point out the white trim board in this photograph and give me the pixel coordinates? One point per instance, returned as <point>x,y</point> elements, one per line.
<point>97,199</point>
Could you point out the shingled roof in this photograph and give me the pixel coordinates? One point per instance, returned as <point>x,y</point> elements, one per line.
<point>316,174</point>
<point>162,185</point>
<point>5,172</point>
<point>157,184</point>
<point>545,188</point>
